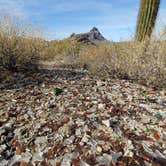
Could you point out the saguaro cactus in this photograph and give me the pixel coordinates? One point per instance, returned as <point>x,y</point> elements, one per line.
<point>146,18</point>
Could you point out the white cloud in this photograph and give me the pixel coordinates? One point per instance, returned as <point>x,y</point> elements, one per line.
<point>75,5</point>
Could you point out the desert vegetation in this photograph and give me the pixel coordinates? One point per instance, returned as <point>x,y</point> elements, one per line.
<point>144,62</point>
<point>146,18</point>
<point>20,45</point>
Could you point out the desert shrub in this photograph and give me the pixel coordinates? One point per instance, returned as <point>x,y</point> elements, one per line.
<point>19,46</point>
<point>63,50</point>
<point>144,62</point>
<point>140,61</point>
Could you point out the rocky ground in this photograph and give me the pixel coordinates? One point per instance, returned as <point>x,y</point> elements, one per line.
<point>92,122</point>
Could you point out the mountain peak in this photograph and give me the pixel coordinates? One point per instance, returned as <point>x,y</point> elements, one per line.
<point>91,37</point>
<point>94,29</point>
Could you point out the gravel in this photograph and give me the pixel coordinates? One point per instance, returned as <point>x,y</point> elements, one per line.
<point>91,122</point>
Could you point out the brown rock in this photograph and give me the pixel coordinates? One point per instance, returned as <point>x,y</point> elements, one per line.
<point>25,164</point>
<point>20,149</point>
<point>106,147</point>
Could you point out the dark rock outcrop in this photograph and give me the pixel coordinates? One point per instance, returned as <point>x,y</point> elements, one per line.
<point>91,37</point>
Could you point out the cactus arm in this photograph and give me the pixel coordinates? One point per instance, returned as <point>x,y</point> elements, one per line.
<point>146,18</point>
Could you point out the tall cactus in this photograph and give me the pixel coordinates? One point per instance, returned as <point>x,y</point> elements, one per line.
<point>146,18</point>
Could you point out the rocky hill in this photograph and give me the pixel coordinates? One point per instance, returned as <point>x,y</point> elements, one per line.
<point>91,37</point>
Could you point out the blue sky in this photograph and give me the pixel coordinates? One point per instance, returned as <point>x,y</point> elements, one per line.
<point>116,19</point>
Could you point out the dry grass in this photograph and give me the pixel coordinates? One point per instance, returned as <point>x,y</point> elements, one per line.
<point>20,45</point>
<point>144,62</point>
<point>61,50</point>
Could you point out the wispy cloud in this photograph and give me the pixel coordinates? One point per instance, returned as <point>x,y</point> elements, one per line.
<point>11,7</point>
<point>54,5</point>
<point>75,5</point>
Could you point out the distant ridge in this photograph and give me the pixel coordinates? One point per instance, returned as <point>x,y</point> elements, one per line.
<point>92,37</point>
